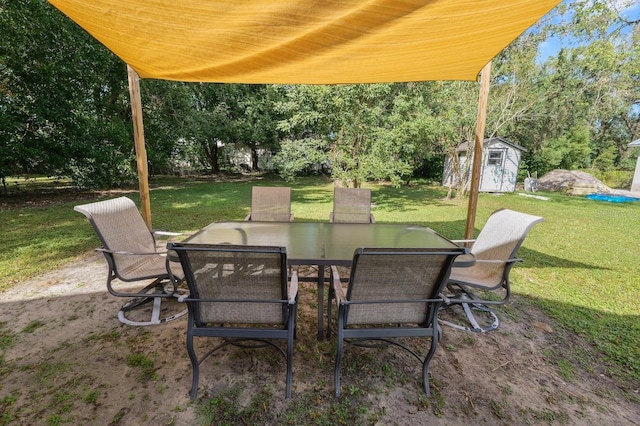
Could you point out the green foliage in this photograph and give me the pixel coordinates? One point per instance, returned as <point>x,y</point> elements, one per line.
<point>144,363</point>
<point>58,109</point>
<point>239,115</point>
<point>367,132</point>
<point>46,373</point>
<point>6,413</point>
<point>299,156</point>
<point>32,326</point>
<point>619,179</point>
<point>7,338</point>
<point>91,397</point>
<point>605,161</point>
<point>225,409</point>
<point>568,152</point>
<point>566,369</point>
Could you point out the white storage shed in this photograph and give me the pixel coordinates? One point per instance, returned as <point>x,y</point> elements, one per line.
<point>500,164</point>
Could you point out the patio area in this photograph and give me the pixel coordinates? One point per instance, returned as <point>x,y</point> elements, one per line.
<point>70,360</point>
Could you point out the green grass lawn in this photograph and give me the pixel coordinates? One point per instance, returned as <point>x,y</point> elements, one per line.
<point>581,264</point>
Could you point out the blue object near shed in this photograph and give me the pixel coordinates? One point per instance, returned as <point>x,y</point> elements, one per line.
<point>612,198</point>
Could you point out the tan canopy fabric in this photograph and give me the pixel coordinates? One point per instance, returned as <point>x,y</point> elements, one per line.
<point>306,41</point>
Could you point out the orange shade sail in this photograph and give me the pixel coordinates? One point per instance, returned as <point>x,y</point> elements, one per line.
<point>306,41</point>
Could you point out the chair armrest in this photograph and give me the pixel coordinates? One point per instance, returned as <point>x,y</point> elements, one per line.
<point>293,287</point>
<point>337,286</point>
<point>167,233</point>
<point>330,217</point>
<point>463,241</point>
<point>371,218</point>
<point>248,217</point>
<point>512,260</point>
<point>129,253</point>
<point>291,217</point>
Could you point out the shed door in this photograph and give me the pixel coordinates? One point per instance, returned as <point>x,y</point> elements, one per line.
<point>493,170</point>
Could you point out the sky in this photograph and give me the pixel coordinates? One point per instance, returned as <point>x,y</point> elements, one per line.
<point>629,9</point>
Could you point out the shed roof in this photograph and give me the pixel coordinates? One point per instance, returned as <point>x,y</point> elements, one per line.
<point>490,141</point>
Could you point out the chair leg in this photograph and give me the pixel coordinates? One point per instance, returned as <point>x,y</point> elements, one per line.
<point>290,338</point>
<point>194,361</point>
<point>153,292</point>
<point>155,314</point>
<point>339,351</point>
<point>468,306</point>
<point>475,326</point>
<point>134,303</point>
<point>336,371</point>
<point>427,360</point>
<point>330,297</point>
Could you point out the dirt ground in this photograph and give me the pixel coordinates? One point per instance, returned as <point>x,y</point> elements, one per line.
<point>66,359</point>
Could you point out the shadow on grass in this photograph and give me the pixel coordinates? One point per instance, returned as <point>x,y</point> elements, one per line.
<point>537,259</point>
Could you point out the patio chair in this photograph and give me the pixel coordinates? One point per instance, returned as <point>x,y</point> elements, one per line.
<point>240,294</point>
<point>392,293</point>
<point>495,251</point>
<point>270,204</point>
<point>351,205</point>
<point>130,250</point>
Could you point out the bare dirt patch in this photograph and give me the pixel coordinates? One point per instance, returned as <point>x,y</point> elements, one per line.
<point>65,359</point>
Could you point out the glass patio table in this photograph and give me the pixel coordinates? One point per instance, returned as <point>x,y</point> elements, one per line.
<point>324,244</point>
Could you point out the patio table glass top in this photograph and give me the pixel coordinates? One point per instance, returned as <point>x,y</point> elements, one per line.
<point>321,243</point>
<point>311,243</point>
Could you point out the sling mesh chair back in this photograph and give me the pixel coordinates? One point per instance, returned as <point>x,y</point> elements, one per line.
<point>130,250</point>
<point>270,204</point>
<point>351,205</point>
<point>240,294</point>
<point>495,250</point>
<point>392,293</point>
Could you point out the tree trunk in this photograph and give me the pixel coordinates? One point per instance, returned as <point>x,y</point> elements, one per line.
<point>211,152</point>
<point>254,159</point>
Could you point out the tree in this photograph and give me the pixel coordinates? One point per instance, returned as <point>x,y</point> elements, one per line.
<point>365,131</point>
<point>233,114</point>
<point>169,117</point>
<point>453,112</point>
<point>305,129</point>
<point>603,65</point>
<point>61,114</point>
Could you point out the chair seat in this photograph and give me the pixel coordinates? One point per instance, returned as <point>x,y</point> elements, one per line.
<point>475,277</point>
<point>150,267</point>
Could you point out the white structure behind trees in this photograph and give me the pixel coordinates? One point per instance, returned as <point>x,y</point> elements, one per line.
<point>500,164</point>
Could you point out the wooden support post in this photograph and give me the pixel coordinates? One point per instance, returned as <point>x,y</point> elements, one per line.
<point>141,151</point>
<point>483,100</point>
